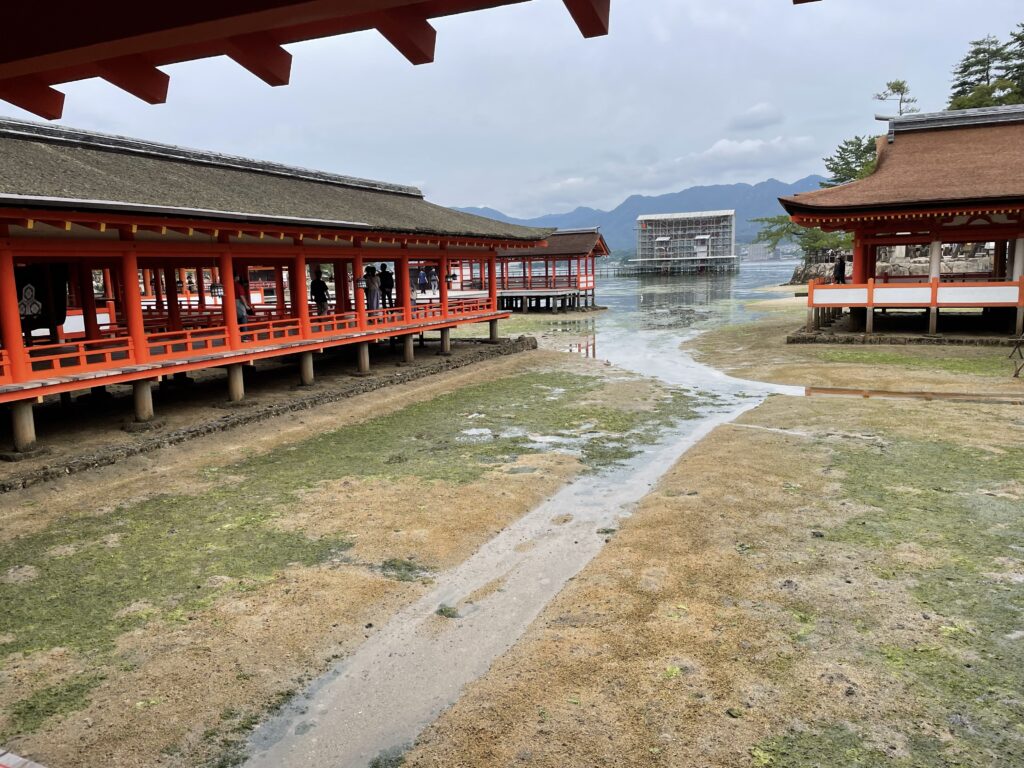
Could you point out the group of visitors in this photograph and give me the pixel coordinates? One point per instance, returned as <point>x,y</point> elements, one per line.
<point>426,278</point>
<point>378,287</point>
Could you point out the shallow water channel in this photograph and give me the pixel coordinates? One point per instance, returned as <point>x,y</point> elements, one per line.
<point>410,670</point>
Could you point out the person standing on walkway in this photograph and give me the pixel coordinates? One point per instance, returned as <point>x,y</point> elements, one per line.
<point>372,288</point>
<point>318,290</point>
<point>387,287</point>
<point>433,280</point>
<point>839,271</point>
<point>421,281</point>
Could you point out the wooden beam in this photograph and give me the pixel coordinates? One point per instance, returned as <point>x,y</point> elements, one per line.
<point>410,33</point>
<point>591,16</point>
<point>262,56</point>
<point>136,76</point>
<point>33,96</point>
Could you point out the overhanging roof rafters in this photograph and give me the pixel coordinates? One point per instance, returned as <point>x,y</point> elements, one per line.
<point>125,47</point>
<point>62,42</point>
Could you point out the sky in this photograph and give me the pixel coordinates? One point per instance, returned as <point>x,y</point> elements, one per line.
<point>520,113</point>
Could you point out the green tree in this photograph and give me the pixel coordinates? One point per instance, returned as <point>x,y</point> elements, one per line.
<point>999,93</point>
<point>853,159</point>
<point>1013,68</point>
<point>813,241</point>
<point>981,67</point>
<point>899,91</point>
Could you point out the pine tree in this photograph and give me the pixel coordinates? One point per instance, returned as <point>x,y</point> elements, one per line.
<point>980,67</point>
<point>899,91</point>
<point>1012,69</point>
<point>853,159</point>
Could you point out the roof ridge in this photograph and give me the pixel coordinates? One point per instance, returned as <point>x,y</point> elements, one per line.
<point>28,130</point>
<point>956,118</point>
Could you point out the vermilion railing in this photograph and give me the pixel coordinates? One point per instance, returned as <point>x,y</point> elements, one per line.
<point>388,316</point>
<point>539,282</point>
<point>171,344</point>
<point>469,306</point>
<point>5,367</point>
<point>79,356</point>
<point>334,325</point>
<point>264,332</point>
<point>114,349</point>
<point>427,312</point>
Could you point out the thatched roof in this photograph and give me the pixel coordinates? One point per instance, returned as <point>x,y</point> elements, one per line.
<point>45,166</point>
<point>934,160</point>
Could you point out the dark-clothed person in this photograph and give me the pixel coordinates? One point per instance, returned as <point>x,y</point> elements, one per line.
<point>319,293</point>
<point>839,271</point>
<point>387,286</point>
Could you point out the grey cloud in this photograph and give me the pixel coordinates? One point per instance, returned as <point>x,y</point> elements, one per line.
<point>761,115</point>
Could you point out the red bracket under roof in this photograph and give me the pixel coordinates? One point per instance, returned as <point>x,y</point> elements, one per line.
<point>126,46</point>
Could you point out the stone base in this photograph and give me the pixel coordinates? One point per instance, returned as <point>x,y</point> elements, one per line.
<point>13,456</point>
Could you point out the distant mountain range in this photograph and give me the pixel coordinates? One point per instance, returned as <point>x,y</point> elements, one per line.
<point>751,201</point>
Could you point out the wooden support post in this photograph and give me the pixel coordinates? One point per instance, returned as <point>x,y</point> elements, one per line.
<point>933,310</point>
<point>228,302</point>
<point>409,348</point>
<point>1017,274</point>
<point>935,260</point>
<point>132,308</point>
<point>147,283</point>
<point>10,319</point>
<point>88,302</point>
<point>493,332</point>
<point>443,285</point>
<point>279,289</point>
<point>363,358</point>
<point>446,342</point>
<point>306,369</point>
<point>173,305</point>
<point>360,294</point>
<point>236,380</point>
<point>300,297</point>
<point>403,279</point>
<point>492,280</point>
<point>142,393</point>
<point>158,291</point>
<point>23,425</point>
<point>201,287</point>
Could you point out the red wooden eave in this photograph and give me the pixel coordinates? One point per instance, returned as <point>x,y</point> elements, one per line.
<point>124,45</point>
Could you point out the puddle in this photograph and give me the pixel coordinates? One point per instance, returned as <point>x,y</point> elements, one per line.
<point>407,672</point>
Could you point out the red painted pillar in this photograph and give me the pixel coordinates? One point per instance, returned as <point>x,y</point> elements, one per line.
<point>492,281</point>
<point>860,266</point>
<point>360,294</point>
<point>85,290</point>
<point>132,308</point>
<point>158,291</point>
<point>147,283</point>
<point>201,287</point>
<point>443,284</point>
<point>173,306</point>
<point>402,278</point>
<point>279,289</point>
<point>300,297</point>
<point>230,318</point>
<point>10,320</point>
<point>341,287</point>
